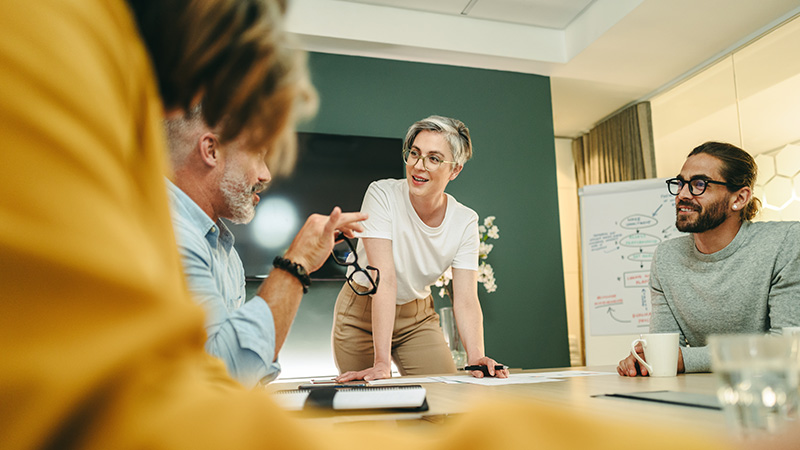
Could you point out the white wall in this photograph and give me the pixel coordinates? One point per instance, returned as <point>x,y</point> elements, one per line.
<point>750,98</point>
<point>570,245</point>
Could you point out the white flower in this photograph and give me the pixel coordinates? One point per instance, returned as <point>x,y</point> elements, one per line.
<point>485,272</point>
<point>448,275</point>
<point>484,250</point>
<point>443,281</point>
<point>486,276</point>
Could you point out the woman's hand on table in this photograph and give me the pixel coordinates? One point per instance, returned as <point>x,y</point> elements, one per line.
<point>377,372</point>
<point>490,363</point>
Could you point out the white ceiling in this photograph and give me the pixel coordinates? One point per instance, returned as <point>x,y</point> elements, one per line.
<point>600,54</point>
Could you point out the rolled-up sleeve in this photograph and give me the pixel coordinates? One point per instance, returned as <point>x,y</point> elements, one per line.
<point>245,341</point>
<point>241,334</point>
<point>244,338</point>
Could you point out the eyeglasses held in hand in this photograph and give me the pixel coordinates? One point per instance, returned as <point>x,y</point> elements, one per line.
<point>429,162</point>
<point>351,259</point>
<point>696,185</point>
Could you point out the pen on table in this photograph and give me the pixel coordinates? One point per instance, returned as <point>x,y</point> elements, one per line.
<point>485,369</point>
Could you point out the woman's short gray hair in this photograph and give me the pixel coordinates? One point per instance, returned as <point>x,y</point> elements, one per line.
<point>454,131</point>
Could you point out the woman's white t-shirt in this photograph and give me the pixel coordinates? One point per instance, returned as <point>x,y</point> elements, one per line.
<point>421,253</point>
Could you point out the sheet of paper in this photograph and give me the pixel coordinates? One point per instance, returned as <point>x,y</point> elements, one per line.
<point>514,378</point>
<point>574,373</point>
<point>392,381</point>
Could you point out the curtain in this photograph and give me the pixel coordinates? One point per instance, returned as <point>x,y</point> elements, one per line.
<point>618,149</point>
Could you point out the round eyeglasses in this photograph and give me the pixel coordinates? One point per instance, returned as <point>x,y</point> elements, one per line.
<point>696,185</point>
<point>430,162</point>
<point>345,255</point>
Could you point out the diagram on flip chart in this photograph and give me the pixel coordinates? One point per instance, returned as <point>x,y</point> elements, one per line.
<point>621,226</point>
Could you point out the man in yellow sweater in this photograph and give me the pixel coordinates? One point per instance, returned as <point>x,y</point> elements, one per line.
<point>100,344</point>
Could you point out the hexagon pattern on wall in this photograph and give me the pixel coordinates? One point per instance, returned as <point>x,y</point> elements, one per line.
<point>766,168</point>
<point>778,192</point>
<point>787,161</point>
<point>778,184</point>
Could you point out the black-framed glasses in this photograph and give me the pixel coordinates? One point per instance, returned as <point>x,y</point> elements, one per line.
<point>350,258</point>
<point>696,185</point>
<point>429,162</point>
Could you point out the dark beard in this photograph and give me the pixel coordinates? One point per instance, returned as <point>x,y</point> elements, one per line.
<point>708,218</point>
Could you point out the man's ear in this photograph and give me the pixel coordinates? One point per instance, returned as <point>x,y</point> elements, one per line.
<point>456,171</point>
<point>741,198</point>
<point>209,148</point>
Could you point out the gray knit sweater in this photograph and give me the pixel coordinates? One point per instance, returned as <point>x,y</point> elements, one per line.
<point>750,286</point>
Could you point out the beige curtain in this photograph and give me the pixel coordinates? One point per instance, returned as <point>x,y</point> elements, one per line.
<point>618,149</point>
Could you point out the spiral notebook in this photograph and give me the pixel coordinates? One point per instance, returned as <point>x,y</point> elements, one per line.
<point>405,397</point>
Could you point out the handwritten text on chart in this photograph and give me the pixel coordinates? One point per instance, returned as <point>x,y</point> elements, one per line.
<point>604,241</point>
<point>638,221</point>
<point>636,279</point>
<point>641,256</point>
<point>642,318</point>
<point>607,300</point>
<point>640,240</point>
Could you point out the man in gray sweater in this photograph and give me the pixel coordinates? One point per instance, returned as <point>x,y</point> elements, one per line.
<point>729,275</point>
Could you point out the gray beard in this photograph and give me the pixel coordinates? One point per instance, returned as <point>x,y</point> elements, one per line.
<point>238,198</point>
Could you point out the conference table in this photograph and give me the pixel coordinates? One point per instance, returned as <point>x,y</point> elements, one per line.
<point>587,394</point>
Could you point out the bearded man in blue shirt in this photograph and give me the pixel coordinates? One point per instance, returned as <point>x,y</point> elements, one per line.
<point>214,179</point>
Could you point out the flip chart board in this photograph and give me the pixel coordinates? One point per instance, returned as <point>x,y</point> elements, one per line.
<point>621,225</point>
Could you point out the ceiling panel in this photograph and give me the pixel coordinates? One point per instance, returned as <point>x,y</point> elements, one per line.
<point>541,13</point>
<point>452,7</point>
<point>555,14</point>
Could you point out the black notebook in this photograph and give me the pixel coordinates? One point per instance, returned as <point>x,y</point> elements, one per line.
<point>405,397</point>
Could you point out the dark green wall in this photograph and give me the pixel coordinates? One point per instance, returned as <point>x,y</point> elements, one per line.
<point>512,176</point>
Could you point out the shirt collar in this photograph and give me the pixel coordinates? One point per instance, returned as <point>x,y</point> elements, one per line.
<point>214,232</point>
<point>728,250</point>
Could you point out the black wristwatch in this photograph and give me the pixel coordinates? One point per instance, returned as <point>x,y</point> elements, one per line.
<point>295,270</point>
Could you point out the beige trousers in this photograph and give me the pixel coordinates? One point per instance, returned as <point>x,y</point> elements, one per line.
<point>418,345</point>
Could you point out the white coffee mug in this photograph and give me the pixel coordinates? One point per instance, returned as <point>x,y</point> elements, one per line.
<point>661,352</point>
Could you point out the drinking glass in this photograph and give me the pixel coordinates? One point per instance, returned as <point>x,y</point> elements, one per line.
<point>757,381</point>
<point>451,336</point>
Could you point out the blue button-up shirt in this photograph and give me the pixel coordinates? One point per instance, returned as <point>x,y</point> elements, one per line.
<point>240,333</point>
